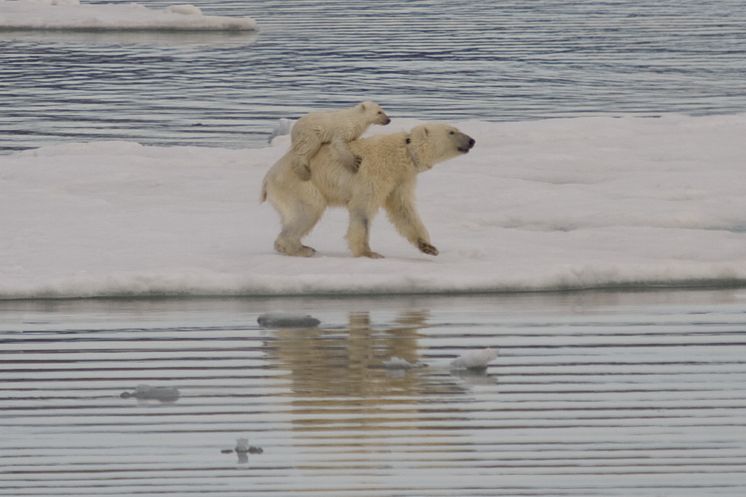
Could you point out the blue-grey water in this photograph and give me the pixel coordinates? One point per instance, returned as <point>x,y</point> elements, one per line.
<point>430,59</point>
<point>592,394</point>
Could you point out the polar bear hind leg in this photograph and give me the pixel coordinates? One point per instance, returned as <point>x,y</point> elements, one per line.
<point>298,219</point>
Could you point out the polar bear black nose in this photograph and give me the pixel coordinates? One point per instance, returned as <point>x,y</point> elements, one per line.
<point>471,142</point>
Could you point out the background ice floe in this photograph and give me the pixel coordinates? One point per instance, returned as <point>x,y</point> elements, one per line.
<point>556,204</point>
<point>72,15</point>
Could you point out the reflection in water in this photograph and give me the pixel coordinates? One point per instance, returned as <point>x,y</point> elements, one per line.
<point>337,378</point>
<point>603,394</point>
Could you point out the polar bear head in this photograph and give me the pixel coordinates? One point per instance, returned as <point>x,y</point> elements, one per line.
<point>431,143</point>
<point>373,112</point>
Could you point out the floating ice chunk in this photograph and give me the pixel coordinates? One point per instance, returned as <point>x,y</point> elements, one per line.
<point>399,363</point>
<point>146,392</point>
<point>56,2</point>
<point>287,320</point>
<point>242,447</point>
<point>282,128</point>
<point>70,14</point>
<point>474,359</point>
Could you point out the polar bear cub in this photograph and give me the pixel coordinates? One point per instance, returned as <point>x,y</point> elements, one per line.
<point>386,179</point>
<point>336,128</point>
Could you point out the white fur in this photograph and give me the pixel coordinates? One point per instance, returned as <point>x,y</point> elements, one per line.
<point>474,359</point>
<point>335,127</point>
<point>386,178</point>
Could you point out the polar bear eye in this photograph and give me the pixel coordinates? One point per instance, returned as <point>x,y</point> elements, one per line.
<point>451,132</point>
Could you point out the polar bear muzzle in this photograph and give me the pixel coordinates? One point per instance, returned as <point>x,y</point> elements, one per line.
<point>382,118</point>
<point>464,142</point>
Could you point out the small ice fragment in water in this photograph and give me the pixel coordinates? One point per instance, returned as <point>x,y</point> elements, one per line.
<point>399,363</point>
<point>242,447</point>
<point>287,320</point>
<point>146,392</point>
<point>474,359</point>
<point>283,128</point>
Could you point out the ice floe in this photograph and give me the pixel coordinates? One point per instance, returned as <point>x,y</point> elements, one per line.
<point>546,205</point>
<point>73,15</point>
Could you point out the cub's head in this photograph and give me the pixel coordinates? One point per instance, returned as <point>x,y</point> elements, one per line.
<point>373,112</point>
<point>431,143</point>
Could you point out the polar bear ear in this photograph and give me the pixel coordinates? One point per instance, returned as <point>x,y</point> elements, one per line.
<point>427,131</point>
<point>418,135</point>
<point>361,106</point>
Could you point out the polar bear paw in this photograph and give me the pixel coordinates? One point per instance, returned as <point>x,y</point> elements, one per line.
<point>294,249</point>
<point>306,251</point>
<point>371,255</point>
<point>352,163</point>
<point>426,247</point>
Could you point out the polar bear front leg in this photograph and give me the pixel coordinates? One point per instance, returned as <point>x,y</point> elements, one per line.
<point>402,213</point>
<point>345,156</point>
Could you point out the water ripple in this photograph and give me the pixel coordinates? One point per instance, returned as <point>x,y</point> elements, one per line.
<point>428,59</point>
<point>607,395</point>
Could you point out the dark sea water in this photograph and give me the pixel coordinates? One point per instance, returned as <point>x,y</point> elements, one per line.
<point>592,394</point>
<point>430,59</point>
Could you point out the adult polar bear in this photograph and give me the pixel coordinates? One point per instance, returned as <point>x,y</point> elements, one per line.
<point>386,178</point>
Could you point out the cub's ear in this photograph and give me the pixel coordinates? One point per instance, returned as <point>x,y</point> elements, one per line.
<point>361,106</point>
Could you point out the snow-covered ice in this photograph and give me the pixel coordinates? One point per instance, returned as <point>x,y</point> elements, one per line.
<point>556,204</point>
<point>72,15</point>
